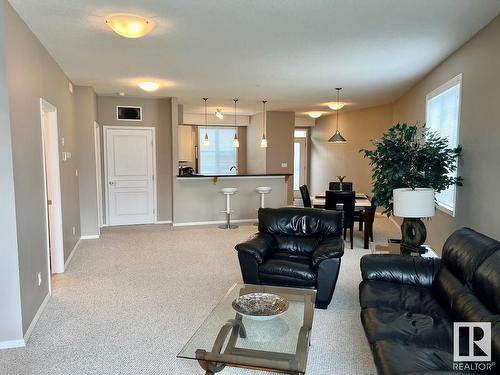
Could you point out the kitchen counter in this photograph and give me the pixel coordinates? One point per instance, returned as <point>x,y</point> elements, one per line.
<point>237,175</point>
<point>199,199</point>
<point>215,177</point>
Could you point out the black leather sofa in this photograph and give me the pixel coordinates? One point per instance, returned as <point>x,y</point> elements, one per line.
<point>409,303</point>
<point>297,247</point>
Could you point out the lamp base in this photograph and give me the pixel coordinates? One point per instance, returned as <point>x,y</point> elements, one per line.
<point>413,232</point>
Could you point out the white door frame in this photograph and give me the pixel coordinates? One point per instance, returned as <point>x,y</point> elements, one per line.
<point>106,190</point>
<point>54,226</point>
<point>98,172</point>
<point>303,161</point>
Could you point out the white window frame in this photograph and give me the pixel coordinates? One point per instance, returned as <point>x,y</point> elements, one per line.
<point>201,135</point>
<point>457,80</point>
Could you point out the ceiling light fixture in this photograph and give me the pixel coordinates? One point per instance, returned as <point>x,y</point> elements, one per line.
<point>149,86</point>
<point>335,106</point>
<point>219,114</point>
<point>236,141</point>
<point>129,25</point>
<point>206,142</point>
<point>337,137</point>
<point>263,141</point>
<point>315,114</point>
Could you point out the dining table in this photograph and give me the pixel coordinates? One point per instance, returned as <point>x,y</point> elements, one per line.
<point>362,203</point>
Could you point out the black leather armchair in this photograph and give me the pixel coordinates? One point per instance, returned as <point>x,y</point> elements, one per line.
<point>409,304</point>
<point>297,247</point>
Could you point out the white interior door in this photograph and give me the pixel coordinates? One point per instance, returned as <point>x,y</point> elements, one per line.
<point>130,167</point>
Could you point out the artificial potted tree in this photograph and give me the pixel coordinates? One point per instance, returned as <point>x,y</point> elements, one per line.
<point>409,164</point>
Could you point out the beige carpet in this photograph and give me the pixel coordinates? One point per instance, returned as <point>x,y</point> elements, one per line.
<point>129,302</point>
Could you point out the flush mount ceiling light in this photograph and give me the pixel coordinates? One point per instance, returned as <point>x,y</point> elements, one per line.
<point>219,114</point>
<point>129,25</point>
<point>149,86</point>
<point>315,114</point>
<point>338,104</point>
<point>337,137</point>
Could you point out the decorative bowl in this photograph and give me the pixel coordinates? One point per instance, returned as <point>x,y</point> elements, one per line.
<point>260,306</point>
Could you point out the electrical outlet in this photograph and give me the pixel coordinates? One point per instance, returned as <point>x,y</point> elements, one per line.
<point>76,172</point>
<point>284,165</point>
<point>74,231</point>
<point>62,141</point>
<point>39,278</point>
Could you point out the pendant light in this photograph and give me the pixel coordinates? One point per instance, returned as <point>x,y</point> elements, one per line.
<point>337,137</point>
<point>206,142</point>
<point>263,142</point>
<point>236,141</point>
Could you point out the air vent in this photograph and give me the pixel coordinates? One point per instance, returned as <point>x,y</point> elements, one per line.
<point>129,113</point>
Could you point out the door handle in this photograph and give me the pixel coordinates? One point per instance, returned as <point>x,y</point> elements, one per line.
<point>111,182</point>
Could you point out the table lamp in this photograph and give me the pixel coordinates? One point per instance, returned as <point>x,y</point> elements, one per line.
<point>413,205</point>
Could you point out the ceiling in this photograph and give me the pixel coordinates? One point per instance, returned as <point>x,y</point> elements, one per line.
<point>290,52</point>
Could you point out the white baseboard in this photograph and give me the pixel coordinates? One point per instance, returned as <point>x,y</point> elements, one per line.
<point>10,344</point>
<point>164,222</point>
<point>71,254</point>
<point>213,222</point>
<point>35,318</point>
<point>93,237</point>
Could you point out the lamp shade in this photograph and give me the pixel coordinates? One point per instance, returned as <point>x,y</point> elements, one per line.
<point>411,203</point>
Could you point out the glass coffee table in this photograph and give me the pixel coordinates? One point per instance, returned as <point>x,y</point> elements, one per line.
<point>227,338</point>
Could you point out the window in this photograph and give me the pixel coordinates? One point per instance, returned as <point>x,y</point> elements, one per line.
<point>443,117</point>
<point>220,155</point>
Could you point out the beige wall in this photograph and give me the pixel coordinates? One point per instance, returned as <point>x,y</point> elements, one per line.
<point>280,128</point>
<point>86,115</point>
<point>477,201</point>
<point>256,156</point>
<point>11,328</point>
<point>33,74</point>
<point>331,160</point>
<point>157,114</point>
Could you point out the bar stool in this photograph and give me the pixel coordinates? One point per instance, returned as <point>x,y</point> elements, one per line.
<point>228,192</point>
<point>263,190</point>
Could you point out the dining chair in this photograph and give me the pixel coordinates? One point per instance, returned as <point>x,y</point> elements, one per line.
<point>347,199</point>
<point>335,185</point>
<point>359,216</point>
<point>306,198</point>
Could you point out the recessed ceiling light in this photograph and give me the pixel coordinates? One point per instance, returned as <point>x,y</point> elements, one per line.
<point>314,114</point>
<point>129,25</point>
<point>149,86</point>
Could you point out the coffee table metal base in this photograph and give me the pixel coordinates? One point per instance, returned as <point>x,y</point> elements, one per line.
<point>215,361</point>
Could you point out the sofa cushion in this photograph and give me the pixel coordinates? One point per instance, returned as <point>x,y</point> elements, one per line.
<point>393,358</point>
<point>486,282</point>
<point>459,300</point>
<point>465,250</point>
<point>296,244</point>
<point>287,271</point>
<point>407,327</point>
<point>399,297</point>
<point>306,222</point>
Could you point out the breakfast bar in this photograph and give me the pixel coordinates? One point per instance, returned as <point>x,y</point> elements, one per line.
<point>199,199</point>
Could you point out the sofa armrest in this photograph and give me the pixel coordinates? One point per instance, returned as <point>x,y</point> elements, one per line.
<point>401,269</point>
<point>260,246</point>
<point>332,247</point>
